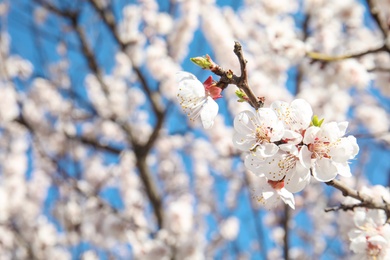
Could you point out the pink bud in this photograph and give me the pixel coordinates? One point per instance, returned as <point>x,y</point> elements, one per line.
<point>211,88</point>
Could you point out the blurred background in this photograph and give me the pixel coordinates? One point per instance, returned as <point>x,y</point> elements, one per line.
<point>99,162</point>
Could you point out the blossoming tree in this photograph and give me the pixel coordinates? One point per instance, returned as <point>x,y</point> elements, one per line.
<point>273,143</point>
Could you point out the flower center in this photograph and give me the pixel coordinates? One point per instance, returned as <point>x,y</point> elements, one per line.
<point>373,250</point>
<point>262,134</point>
<point>319,149</point>
<point>287,163</point>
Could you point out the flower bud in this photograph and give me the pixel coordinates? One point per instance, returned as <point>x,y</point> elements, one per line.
<point>203,62</point>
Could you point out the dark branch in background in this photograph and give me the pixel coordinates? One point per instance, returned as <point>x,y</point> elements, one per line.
<point>258,226</point>
<point>141,150</point>
<point>55,10</point>
<point>109,19</point>
<point>286,220</point>
<point>71,180</point>
<point>19,237</point>
<point>305,33</point>
<point>383,27</point>
<point>95,144</point>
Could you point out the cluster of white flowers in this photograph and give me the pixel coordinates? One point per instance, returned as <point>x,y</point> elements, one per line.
<point>285,143</point>
<point>370,239</point>
<point>287,146</point>
<point>368,232</point>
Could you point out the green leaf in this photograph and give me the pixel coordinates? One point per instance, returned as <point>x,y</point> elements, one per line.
<point>315,121</point>
<point>240,93</point>
<point>242,97</point>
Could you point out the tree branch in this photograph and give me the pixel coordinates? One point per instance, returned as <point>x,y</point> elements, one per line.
<point>228,77</point>
<point>365,200</point>
<point>242,81</point>
<point>286,229</point>
<point>55,10</point>
<point>300,73</point>
<point>141,151</point>
<point>374,11</point>
<point>383,28</point>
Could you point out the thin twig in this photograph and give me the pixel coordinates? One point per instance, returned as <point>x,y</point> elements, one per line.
<point>228,77</point>
<point>365,200</point>
<point>329,58</point>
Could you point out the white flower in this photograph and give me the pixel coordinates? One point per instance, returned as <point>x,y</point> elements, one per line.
<point>229,228</point>
<point>284,166</point>
<point>195,99</point>
<point>371,237</point>
<point>258,131</point>
<point>89,255</point>
<point>329,151</point>
<point>179,215</point>
<point>272,192</point>
<point>9,109</point>
<point>295,116</point>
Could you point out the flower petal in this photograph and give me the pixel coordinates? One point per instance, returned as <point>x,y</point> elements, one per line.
<point>311,134</point>
<point>254,163</point>
<point>295,116</point>
<point>345,149</point>
<point>298,180</point>
<point>292,137</point>
<point>342,127</point>
<point>277,166</point>
<point>305,157</point>
<point>208,113</point>
<point>189,85</point>
<point>330,132</point>
<point>343,169</point>
<point>324,170</point>
<point>302,113</point>
<point>243,142</point>
<point>267,150</point>
<point>244,122</point>
<point>287,197</point>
